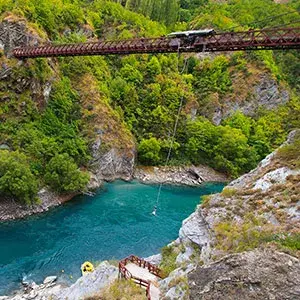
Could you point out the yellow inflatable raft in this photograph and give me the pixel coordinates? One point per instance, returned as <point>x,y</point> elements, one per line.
<point>87,267</point>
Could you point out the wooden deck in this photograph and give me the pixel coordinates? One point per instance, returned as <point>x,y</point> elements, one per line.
<point>142,273</point>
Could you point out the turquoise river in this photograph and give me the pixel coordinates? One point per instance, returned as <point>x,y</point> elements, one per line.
<point>111,225</point>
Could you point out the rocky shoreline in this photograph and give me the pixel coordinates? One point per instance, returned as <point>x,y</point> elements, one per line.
<point>12,210</point>
<point>181,175</point>
<point>190,176</point>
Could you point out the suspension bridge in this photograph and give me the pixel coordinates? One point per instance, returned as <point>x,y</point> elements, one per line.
<point>270,39</point>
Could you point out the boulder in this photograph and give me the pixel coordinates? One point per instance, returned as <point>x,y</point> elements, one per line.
<point>50,279</point>
<point>91,283</point>
<point>258,274</point>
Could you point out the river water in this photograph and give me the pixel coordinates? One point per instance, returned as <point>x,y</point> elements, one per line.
<point>115,223</point>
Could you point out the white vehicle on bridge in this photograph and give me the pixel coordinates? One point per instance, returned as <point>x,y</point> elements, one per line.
<point>192,33</point>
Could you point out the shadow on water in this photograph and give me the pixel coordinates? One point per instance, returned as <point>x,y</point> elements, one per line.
<point>113,224</point>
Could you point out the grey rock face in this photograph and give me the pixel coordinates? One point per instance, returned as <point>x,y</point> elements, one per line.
<point>14,34</point>
<point>256,274</point>
<point>266,94</point>
<point>195,230</point>
<point>11,209</point>
<point>50,279</point>
<point>190,176</point>
<point>154,259</point>
<point>90,284</point>
<point>85,286</point>
<point>114,164</point>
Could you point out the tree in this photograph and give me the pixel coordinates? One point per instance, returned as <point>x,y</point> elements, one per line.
<point>149,150</point>
<point>63,175</point>
<point>240,121</point>
<point>202,135</point>
<point>232,153</point>
<point>153,67</point>
<point>16,179</point>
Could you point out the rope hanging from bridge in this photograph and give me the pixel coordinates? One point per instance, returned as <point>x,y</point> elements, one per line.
<point>174,130</point>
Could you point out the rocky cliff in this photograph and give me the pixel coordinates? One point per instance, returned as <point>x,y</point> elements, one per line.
<point>26,86</point>
<point>258,210</point>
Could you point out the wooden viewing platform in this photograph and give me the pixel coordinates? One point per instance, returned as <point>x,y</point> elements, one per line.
<point>142,273</point>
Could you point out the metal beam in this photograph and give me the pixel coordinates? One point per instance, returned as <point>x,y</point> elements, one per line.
<point>269,39</point>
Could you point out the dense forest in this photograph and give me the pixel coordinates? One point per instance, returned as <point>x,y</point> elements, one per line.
<point>50,143</point>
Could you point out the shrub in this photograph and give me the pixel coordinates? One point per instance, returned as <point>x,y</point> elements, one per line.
<point>16,179</point>
<point>168,262</point>
<point>149,150</point>
<point>63,175</point>
<point>290,154</point>
<point>120,289</point>
<point>228,192</point>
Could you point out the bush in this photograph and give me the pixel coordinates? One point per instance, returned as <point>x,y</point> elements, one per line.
<point>290,154</point>
<point>168,261</point>
<point>63,175</point>
<point>149,150</point>
<point>120,289</point>
<point>16,179</point>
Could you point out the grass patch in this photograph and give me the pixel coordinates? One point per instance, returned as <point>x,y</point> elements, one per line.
<point>120,290</point>
<point>252,233</point>
<point>289,241</point>
<point>168,262</point>
<point>205,200</point>
<point>290,154</point>
<point>228,192</point>
<point>237,237</point>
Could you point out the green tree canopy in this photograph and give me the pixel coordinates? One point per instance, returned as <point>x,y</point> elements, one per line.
<point>16,179</point>
<point>63,175</point>
<point>149,151</point>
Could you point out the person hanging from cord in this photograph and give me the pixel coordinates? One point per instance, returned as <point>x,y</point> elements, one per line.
<point>154,211</point>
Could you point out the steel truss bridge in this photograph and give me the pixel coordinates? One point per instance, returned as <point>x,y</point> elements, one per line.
<point>271,39</point>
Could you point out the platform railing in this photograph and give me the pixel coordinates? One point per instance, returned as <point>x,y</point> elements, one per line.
<point>143,264</point>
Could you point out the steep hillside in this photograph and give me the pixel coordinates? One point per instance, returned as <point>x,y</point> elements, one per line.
<point>259,210</point>
<point>67,122</point>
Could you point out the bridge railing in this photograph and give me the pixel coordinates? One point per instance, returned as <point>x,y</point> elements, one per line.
<point>275,38</point>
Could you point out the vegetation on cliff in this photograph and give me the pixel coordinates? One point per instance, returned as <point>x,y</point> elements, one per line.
<point>133,99</point>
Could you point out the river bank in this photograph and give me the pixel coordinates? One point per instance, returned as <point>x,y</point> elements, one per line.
<point>181,175</point>
<point>178,175</point>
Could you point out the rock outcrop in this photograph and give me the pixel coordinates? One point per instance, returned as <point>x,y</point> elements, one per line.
<point>266,93</point>
<point>258,274</point>
<point>11,209</point>
<point>14,33</point>
<point>189,175</point>
<point>89,284</point>
<point>267,199</point>
<point>113,149</point>
<point>84,287</point>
